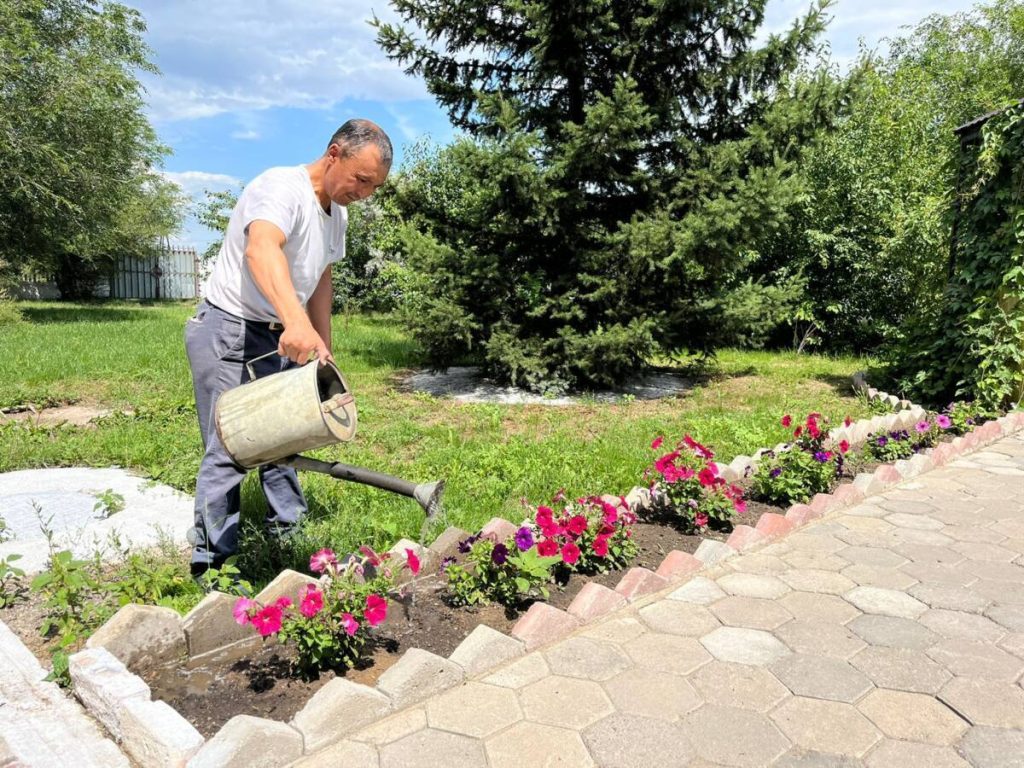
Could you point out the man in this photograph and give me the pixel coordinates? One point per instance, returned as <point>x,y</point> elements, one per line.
<point>270,290</point>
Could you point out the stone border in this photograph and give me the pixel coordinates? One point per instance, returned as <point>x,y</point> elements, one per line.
<point>154,734</point>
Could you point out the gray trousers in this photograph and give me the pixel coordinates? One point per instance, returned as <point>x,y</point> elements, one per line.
<point>218,345</point>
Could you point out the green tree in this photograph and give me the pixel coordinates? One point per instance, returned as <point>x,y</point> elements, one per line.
<point>623,160</point>
<point>78,159</point>
<point>213,213</point>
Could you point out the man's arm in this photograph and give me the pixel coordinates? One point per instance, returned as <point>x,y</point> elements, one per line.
<point>269,269</point>
<point>319,307</point>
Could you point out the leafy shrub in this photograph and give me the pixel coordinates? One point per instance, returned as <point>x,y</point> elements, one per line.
<point>327,622</point>
<point>68,589</point>
<point>890,446</point>
<point>964,416</point>
<point>9,313</point>
<point>806,468</point>
<point>9,574</point>
<point>685,484</point>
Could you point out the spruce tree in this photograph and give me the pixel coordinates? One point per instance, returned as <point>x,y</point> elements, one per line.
<point>621,161</point>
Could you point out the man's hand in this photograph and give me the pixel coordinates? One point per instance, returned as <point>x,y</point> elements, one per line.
<point>300,341</point>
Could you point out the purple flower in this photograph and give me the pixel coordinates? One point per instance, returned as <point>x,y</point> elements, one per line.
<point>821,457</point>
<point>446,562</point>
<point>776,472</point>
<point>524,538</point>
<point>943,422</point>
<point>499,554</point>
<point>922,426</point>
<point>467,544</point>
<point>882,441</point>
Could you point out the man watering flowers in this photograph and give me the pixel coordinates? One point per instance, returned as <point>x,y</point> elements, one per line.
<point>270,290</point>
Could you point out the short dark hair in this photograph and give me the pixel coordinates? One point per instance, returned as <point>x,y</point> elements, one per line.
<point>356,134</point>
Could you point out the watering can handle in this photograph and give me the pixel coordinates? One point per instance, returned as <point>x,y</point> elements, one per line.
<point>248,365</point>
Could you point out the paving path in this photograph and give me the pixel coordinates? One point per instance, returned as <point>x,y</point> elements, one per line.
<point>889,635</point>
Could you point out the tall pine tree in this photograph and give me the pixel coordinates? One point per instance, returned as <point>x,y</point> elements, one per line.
<point>622,160</point>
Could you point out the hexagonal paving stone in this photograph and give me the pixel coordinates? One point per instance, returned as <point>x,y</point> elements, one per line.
<point>1009,616</point>
<point>821,677</point>
<point>978,551</point>
<point>821,561</point>
<point>816,539</point>
<point>620,630</point>
<point>986,702</point>
<point>820,638</point>
<point>969,626</point>
<point>918,536</point>
<point>826,726</point>
<point>749,740</point>
<point>700,590</point>
<point>395,727</point>
<point>628,741</point>
<point>798,757</point>
<point>919,522</point>
<point>976,533</point>
<point>474,709</point>
<point>756,563</point>
<point>974,659</point>
<point>744,646</point>
<point>667,653</point>
<point>864,524</point>
<point>996,571</point>
<point>912,716</point>
<point>907,754</point>
<point>564,701</point>
<point>738,685</point>
<point>892,632</point>
<point>649,693</point>
<point>751,612</point>
<point>586,658</point>
<point>901,669</point>
<point>812,580</point>
<point>1004,592</point>
<point>1014,643</point>
<point>993,747</point>
<point>533,745</point>
<point>930,553</point>
<point>886,578</point>
<point>935,573</point>
<point>907,506</point>
<point>520,673</point>
<point>811,606</point>
<point>678,618</point>
<point>424,749</point>
<point>753,585</point>
<point>885,602</point>
<point>949,598</point>
<point>876,557</point>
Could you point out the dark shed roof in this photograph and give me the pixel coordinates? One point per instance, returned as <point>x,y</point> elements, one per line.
<point>968,129</point>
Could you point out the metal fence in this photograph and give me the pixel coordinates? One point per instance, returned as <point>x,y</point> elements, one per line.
<point>174,274</point>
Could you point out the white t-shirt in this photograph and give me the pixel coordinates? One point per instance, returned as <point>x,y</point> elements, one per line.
<point>314,240</point>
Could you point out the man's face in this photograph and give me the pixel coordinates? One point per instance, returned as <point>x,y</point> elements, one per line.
<point>356,177</point>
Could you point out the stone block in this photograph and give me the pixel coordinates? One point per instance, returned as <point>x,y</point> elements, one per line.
<point>140,635</point>
<point>677,564</point>
<point>639,499</point>
<point>868,484</point>
<point>485,648</point>
<point>887,476</point>
<point>211,625</point>
<point>921,463</point>
<point>744,537</point>
<point>727,473</point>
<point>823,503</point>
<point>337,711</point>
<point>741,464</point>
<point>498,529</point>
<point>543,624</point>
<point>447,544</point>
<point>774,525</point>
<point>906,404</point>
<point>970,442</point>
<point>638,582</point>
<point>287,583</point>
<point>799,514</point>
<point>155,736</point>
<point>710,551</point>
<point>905,468</point>
<point>102,683</point>
<point>417,675</point>
<point>250,742</point>
<point>942,454</point>
<point>846,495</point>
<point>859,381</point>
<point>872,393</point>
<point>594,601</point>
<point>893,401</point>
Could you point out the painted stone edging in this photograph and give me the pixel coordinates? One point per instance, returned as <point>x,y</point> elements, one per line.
<point>419,673</point>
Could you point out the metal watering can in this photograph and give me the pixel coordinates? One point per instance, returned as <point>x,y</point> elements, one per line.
<point>271,420</point>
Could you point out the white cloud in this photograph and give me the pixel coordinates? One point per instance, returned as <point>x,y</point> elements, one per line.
<point>234,56</point>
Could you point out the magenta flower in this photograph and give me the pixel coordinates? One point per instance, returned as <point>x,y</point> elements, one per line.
<point>577,525</point>
<point>601,546</point>
<point>787,420</point>
<point>376,610</point>
<point>700,519</point>
<point>412,561</point>
<point>243,606</point>
<point>524,538</point>
<point>323,561</point>
<point>570,553</point>
<point>942,420</point>
<point>268,620</point>
<point>312,601</point>
<point>547,547</point>
<point>349,624</point>
<point>657,443</point>
<point>922,426</point>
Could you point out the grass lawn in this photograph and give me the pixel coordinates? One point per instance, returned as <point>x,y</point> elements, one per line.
<point>125,356</point>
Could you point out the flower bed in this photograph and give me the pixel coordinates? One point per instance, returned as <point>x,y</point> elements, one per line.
<point>443,644</point>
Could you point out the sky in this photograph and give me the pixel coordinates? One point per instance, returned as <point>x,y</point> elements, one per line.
<point>247,85</point>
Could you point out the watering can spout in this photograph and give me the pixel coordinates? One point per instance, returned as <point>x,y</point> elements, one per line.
<point>429,497</point>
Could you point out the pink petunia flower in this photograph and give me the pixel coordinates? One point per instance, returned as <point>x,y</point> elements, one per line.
<point>412,561</point>
<point>787,420</point>
<point>922,426</point>
<point>547,547</point>
<point>372,557</point>
<point>943,421</point>
<point>700,519</point>
<point>243,606</point>
<point>323,561</point>
<point>706,477</point>
<point>570,553</point>
<point>545,516</point>
<point>268,620</point>
<point>577,525</point>
<point>283,602</point>
<point>312,601</point>
<point>349,624</point>
<point>601,546</point>
<point>657,443</point>
<point>844,446</point>
<point>376,610</point>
